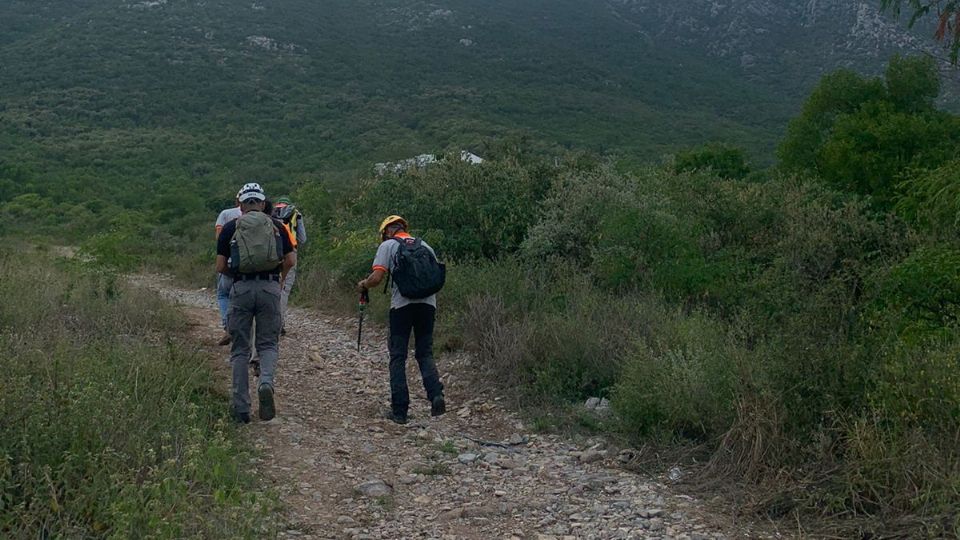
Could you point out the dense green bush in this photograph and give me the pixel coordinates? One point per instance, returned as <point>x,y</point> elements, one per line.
<point>625,230</point>
<point>838,93</point>
<point>543,327</point>
<point>784,260</point>
<point>470,211</point>
<point>920,296</point>
<point>681,382</point>
<point>931,199</point>
<point>724,160</point>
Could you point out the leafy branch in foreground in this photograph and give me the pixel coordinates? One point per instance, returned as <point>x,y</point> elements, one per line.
<point>948,18</point>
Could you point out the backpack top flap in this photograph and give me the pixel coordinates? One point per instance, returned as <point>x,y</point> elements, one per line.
<point>416,270</point>
<point>256,244</point>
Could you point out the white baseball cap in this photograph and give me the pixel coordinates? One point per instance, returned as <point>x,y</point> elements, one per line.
<point>251,191</point>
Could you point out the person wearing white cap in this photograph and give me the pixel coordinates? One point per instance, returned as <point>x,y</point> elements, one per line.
<point>256,252</point>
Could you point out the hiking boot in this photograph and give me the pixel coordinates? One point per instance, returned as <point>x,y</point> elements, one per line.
<point>240,418</point>
<point>437,405</point>
<point>395,418</point>
<point>267,409</point>
<point>225,340</point>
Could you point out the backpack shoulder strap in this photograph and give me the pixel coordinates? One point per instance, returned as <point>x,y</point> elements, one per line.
<point>386,283</point>
<point>403,241</point>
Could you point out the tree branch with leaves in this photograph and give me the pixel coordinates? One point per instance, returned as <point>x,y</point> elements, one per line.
<point>946,11</point>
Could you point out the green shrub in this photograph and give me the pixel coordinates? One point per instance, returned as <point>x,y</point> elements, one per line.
<point>931,199</point>
<point>682,381</point>
<point>316,203</point>
<point>482,210</point>
<point>547,330</point>
<point>726,161</point>
<point>920,296</point>
<point>919,387</point>
<point>625,230</point>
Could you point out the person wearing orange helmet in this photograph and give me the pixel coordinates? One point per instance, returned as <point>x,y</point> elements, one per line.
<point>407,313</point>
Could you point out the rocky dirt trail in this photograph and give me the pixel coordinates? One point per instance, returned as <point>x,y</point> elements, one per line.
<point>477,472</point>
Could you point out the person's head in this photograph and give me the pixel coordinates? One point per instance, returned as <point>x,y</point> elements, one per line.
<point>251,198</point>
<point>391,226</point>
<point>283,208</point>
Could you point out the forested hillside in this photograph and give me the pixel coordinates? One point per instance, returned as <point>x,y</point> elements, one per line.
<point>301,86</point>
<point>102,102</point>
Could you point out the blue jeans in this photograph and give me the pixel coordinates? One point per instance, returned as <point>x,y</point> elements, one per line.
<point>224,284</point>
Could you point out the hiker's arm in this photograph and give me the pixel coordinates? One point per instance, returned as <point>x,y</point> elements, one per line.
<point>301,232</point>
<point>223,249</point>
<point>289,261</point>
<point>222,264</point>
<point>371,281</point>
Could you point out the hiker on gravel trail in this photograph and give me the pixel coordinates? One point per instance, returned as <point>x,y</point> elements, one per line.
<point>292,219</point>
<point>259,254</point>
<point>225,281</point>
<point>415,311</point>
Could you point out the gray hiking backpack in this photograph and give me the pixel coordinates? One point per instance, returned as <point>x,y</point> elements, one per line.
<point>256,245</point>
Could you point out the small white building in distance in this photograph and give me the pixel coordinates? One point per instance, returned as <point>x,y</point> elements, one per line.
<point>420,162</point>
<point>470,158</point>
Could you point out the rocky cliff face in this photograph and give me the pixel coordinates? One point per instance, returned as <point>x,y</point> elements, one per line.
<point>770,39</point>
<point>785,44</point>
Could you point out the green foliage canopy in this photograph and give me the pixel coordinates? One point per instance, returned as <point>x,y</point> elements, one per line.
<point>725,160</point>
<point>861,135</point>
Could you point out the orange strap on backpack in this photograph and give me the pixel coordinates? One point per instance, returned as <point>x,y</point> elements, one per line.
<point>291,235</point>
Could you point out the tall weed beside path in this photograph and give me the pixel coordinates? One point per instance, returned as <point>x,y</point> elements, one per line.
<point>544,329</point>
<point>110,427</point>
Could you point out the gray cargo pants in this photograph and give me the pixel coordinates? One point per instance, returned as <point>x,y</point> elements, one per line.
<point>253,300</point>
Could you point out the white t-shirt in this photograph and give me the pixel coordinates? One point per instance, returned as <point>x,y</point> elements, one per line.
<point>228,215</point>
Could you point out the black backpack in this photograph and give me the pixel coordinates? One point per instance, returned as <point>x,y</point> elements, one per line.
<point>416,270</point>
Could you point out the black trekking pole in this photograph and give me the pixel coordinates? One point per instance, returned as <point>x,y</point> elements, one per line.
<point>364,299</point>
